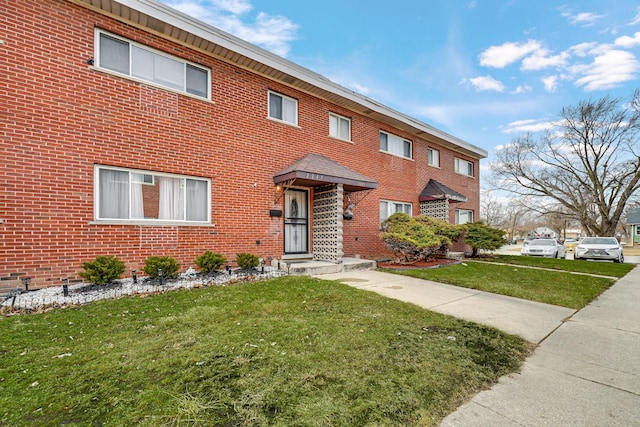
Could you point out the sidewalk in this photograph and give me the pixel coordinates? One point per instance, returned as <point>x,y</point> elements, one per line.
<point>585,372</point>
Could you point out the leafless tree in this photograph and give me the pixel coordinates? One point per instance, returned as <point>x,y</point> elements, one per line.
<point>587,166</point>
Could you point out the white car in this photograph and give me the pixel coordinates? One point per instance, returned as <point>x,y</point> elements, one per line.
<point>548,248</point>
<point>599,248</point>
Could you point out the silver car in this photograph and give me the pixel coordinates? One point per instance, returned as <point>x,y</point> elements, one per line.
<point>599,248</point>
<point>548,248</point>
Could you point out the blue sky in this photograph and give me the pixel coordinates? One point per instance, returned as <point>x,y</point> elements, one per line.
<point>485,71</point>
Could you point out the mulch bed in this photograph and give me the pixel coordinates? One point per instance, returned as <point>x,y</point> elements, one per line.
<point>433,263</point>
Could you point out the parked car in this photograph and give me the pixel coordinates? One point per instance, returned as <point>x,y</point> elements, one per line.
<point>599,248</point>
<point>548,248</point>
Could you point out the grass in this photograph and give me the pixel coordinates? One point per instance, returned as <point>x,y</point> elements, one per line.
<point>600,268</point>
<point>289,351</point>
<point>557,287</point>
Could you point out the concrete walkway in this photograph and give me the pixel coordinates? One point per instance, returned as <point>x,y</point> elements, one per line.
<point>585,371</point>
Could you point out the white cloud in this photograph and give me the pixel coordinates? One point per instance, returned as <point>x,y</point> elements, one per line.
<point>540,59</point>
<point>486,83</point>
<point>274,33</point>
<point>550,83</point>
<point>636,19</point>
<point>628,42</point>
<point>585,19</point>
<point>522,89</point>
<point>507,53</point>
<point>608,70</point>
<point>528,125</point>
<point>583,49</point>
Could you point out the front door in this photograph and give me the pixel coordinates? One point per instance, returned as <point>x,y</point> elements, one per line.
<point>296,222</point>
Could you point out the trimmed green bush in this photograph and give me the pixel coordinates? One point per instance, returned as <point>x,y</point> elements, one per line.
<point>209,262</point>
<point>169,266</point>
<point>102,270</point>
<point>417,238</point>
<point>478,235</point>
<point>247,261</point>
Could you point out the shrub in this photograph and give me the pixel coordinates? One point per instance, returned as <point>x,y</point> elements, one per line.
<point>247,261</point>
<point>416,238</point>
<point>102,270</point>
<point>209,262</point>
<point>169,266</point>
<point>480,236</point>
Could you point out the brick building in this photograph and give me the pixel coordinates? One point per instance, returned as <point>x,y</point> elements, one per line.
<point>130,129</point>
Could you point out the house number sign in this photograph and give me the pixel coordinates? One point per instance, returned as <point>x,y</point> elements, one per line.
<point>315,176</point>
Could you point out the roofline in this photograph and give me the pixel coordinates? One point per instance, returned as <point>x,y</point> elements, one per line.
<point>232,43</point>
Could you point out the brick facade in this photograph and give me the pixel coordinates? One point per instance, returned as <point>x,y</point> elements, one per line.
<point>62,116</point>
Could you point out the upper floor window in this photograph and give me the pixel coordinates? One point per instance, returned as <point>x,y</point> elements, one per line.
<point>433,157</point>
<point>392,144</point>
<point>126,57</point>
<point>463,167</point>
<point>136,195</point>
<point>388,208</point>
<point>339,127</point>
<point>283,108</point>
<point>463,216</point>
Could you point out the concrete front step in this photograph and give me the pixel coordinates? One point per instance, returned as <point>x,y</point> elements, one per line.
<point>312,268</point>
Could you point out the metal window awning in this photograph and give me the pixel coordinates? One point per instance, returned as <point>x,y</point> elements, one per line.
<point>315,170</point>
<point>435,190</point>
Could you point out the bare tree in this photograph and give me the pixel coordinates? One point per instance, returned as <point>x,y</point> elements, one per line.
<point>491,210</point>
<point>587,166</point>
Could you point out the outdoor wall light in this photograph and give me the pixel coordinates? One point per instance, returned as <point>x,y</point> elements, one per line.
<point>90,61</point>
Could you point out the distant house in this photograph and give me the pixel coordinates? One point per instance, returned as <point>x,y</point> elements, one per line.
<point>131,129</point>
<point>633,221</point>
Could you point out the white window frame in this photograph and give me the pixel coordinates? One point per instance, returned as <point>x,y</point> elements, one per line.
<point>130,74</point>
<point>393,206</point>
<point>337,123</point>
<point>461,214</point>
<point>145,181</point>
<point>463,167</point>
<point>395,145</point>
<point>287,101</point>
<point>433,157</point>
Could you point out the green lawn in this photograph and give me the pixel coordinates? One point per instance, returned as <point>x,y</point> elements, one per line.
<point>601,268</point>
<point>558,287</point>
<point>288,351</point>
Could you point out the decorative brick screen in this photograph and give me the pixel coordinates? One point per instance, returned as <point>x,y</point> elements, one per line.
<point>327,223</point>
<point>438,209</point>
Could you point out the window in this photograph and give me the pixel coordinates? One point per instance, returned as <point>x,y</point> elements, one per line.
<point>283,108</point>
<point>339,127</point>
<point>123,194</point>
<point>140,62</point>
<point>463,167</point>
<point>463,216</point>
<point>395,145</point>
<point>388,208</point>
<point>433,157</point>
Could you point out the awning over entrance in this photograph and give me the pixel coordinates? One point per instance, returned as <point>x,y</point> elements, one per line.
<point>315,170</point>
<point>437,191</point>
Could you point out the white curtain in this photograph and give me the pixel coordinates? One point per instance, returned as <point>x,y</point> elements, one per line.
<point>171,198</point>
<point>197,203</point>
<point>137,203</point>
<point>114,194</point>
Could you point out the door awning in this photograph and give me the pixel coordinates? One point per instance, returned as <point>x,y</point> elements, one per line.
<point>314,170</point>
<point>437,191</point>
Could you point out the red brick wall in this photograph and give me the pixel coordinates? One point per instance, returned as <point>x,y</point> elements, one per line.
<point>61,117</point>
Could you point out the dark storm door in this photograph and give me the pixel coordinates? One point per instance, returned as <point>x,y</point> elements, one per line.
<point>296,222</point>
